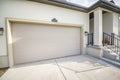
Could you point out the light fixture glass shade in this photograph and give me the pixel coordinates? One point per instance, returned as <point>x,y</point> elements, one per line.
<point>119,18</point>
<point>86,33</point>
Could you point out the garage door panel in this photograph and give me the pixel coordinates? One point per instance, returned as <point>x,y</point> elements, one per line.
<point>32,42</point>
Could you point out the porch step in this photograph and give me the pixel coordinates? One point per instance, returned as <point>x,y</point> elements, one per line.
<point>113,48</point>
<point>112,62</point>
<point>109,54</point>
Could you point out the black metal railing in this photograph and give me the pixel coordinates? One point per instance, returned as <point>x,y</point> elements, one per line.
<point>90,40</point>
<point>112,42</point>
<point>117,36</point>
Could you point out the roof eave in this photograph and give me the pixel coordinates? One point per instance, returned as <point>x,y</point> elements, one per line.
<point>110,6</point>
<point>106,5</point>
<point>63,3</point>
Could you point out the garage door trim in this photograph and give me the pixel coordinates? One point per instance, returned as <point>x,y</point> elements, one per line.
<point>13,20</point>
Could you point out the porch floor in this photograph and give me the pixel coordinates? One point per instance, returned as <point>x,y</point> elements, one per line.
<point>81,67</point>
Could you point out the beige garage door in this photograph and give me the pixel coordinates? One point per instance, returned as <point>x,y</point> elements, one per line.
<point>33,42</point>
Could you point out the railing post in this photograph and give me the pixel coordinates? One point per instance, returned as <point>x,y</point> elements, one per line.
<point>112,38</point>
<point>88,39</point>
<point>92,38</point>
<point>103,39</point>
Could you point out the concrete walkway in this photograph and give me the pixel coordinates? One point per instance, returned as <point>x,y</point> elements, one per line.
<point>69,68</point>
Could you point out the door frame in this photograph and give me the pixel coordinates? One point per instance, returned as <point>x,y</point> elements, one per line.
<point>13,20</point>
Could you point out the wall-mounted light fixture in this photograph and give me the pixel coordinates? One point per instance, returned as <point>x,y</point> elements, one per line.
<point>86,33</point>
<point>54,20</point>
<point>1,31</point>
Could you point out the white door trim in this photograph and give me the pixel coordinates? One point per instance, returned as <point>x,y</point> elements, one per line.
<point>9,34</point>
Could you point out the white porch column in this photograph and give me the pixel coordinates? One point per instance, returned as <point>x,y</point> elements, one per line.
<point>115,23</point>
<point>98,27</point>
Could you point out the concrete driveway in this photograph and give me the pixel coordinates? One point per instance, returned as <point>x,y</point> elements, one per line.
<point>81,67</point>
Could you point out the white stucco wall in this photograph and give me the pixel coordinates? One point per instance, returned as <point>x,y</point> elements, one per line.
<point>94,51</point>
<point>119,24</point>
<point>92,25</point>
<point>108,23</point>
<point>115,23</point>
<point>35,11</point>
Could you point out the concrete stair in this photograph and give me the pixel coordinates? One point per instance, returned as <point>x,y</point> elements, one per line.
<point>109,53</point>
<point>116,63</point>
